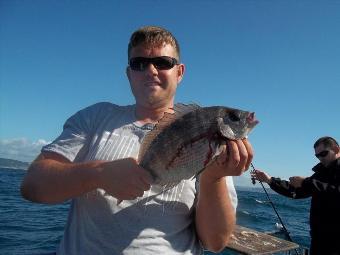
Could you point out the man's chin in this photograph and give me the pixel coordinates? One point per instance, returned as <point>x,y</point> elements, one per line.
<point>325,164</point>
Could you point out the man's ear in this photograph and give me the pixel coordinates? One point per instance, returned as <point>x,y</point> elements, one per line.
<point>336,149</point>
<point>180,72</point>
<point>127,71</point>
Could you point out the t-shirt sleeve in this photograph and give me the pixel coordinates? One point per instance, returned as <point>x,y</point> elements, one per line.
<point>232,191</point>
<point>72,142</point>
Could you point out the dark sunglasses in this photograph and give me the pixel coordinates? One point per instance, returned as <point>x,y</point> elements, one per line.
<point>161,63</point>
<point>322,154</point>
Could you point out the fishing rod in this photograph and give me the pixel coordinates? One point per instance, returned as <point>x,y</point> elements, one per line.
<point>277,214</point>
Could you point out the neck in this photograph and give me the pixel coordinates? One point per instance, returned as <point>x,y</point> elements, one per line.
<point>151,114</point>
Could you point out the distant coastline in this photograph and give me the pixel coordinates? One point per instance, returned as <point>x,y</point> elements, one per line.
<point>13,164</point>
<point>241,182</point>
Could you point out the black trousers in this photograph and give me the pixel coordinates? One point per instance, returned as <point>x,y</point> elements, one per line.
<point>325,245</point>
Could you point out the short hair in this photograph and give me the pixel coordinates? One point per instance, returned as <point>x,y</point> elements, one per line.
<point>327,141</point>
<point>154,37</point>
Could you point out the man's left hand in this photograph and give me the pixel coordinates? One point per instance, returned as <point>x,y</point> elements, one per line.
<point>234,159</point>
<point>296,181</point>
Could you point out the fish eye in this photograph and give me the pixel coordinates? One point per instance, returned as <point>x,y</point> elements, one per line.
<point>233,117</point>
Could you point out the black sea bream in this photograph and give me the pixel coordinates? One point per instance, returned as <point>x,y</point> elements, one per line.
<point>185,141</point>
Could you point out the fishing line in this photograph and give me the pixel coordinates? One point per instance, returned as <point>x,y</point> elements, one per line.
<point>272,204</point>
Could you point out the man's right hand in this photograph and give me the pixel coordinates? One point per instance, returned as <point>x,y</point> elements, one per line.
<point>261,176</point>
<point>52,178</point>
<point>124,179</point>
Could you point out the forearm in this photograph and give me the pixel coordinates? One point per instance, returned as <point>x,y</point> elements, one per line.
<point>51,181</point>
<point>215,215</point>
<point>284,188</point>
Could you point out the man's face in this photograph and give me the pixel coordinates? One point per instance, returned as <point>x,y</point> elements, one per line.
<point>154,88</point>
<point>326,155</point>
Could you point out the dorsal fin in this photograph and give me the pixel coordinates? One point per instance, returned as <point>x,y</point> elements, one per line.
<point>178,111</point>
<point>181,109</point>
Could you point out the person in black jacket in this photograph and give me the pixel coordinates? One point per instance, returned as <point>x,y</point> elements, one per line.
<point>324,188</point>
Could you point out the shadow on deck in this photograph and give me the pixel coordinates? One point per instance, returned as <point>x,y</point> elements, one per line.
<point>251,242</point>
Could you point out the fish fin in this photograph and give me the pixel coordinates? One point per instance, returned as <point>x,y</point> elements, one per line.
<point>169,117</point>
<point>182,109</point>
<point>198,173</point>
<point>212,160</point>
<point>170,185</point>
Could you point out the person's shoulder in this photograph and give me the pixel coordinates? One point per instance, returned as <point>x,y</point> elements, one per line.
<point>317,168</point>
<point>107,107</point>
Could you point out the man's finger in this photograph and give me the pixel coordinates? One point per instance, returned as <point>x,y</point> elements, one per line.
<point>146,178</point>
<point>223,156</point>
<point>234,156</point>
<point>250,152</point>
<point>243,154</point>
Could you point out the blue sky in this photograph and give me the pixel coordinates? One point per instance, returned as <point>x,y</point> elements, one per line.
<point>280,59</point>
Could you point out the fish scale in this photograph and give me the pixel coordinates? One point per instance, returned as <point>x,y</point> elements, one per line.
<point>185,141</point>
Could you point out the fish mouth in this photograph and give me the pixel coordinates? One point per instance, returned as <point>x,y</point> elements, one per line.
<point>251,119</point>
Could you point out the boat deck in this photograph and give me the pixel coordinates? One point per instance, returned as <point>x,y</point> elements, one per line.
<point>248,241</point>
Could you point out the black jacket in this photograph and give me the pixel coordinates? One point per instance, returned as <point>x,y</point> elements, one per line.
<point>324,188</point>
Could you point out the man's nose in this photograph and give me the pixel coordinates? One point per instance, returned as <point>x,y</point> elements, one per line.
<point>151,69</point>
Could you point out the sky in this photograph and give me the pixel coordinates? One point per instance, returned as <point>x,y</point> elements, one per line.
<point>280,59</point>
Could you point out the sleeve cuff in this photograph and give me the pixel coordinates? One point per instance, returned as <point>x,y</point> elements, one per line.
<point>307,183</point>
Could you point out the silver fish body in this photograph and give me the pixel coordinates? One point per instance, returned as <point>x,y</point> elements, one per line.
<point>184,142</point>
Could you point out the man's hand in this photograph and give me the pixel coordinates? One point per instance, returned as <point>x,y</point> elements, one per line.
<point>261,176</point>
<point>234,159</point>
<point>124,179</point>
<point>296,181</point>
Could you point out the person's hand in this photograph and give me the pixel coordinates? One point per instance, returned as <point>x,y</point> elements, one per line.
<point>296,181</point>
<point>124,179</point>
<point>261,176</point>
<point>234,159</point>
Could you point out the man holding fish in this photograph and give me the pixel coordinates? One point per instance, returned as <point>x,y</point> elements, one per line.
<point>118,207</point>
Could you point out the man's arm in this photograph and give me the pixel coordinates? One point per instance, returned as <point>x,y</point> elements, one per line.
<point>215,215</point>
<point>313,185</point>
<point>52,178</point>
<point>282,187</point>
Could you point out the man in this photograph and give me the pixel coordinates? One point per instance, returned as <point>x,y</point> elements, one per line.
<point>324,188</point>
<point>93,162</point>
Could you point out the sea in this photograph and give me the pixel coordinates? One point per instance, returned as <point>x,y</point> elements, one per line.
<point>35,229</point>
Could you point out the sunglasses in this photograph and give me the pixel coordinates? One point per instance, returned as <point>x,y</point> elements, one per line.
<point>322,154</point>
<point>161,63</point>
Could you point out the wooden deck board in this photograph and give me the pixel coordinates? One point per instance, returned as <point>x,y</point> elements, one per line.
<point>252,242</point>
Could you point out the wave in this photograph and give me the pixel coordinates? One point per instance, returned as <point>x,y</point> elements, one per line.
<point>261,202</point>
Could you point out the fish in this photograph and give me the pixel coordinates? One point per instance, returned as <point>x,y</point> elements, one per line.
<point>186,140</point>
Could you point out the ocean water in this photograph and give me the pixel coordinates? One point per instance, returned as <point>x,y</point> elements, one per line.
<point>28,228</point>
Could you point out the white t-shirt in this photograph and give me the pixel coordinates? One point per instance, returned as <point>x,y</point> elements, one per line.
<point>161,222</point>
